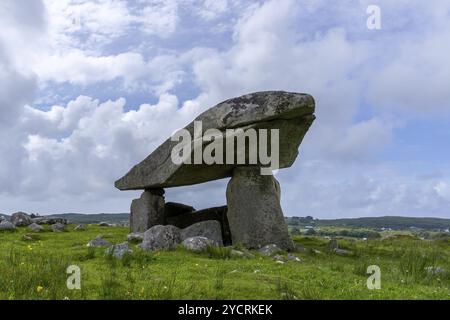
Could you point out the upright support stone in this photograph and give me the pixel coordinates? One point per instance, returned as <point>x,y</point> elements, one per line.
<point>147,211</point>
<point>254,211</point>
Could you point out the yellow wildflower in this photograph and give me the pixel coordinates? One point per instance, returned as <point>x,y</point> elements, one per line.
<point>39,288</point>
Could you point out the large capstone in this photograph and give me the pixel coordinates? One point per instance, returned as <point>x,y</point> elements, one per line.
<point>254,211</point>
<point>290,113</point>
<point>147,211</point>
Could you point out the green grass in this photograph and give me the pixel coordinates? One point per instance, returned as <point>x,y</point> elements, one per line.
<point>36,269</point>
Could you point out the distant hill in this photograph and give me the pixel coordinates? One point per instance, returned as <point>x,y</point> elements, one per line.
<point>94,218</point>
<point>396,223</point>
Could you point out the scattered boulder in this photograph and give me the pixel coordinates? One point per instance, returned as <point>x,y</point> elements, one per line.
<point>119,250</point>
<point>58,227</point>
<point>21,219</point>
<point>34,227</point>
<point>161,238</point>
<point>208,229</point>
<point>80,227</point>
<point>135,237</point>
<point>49,221</point>
<point>270,250</point>
<point>198,244</point>
<point>104,224</point>
<point>7,226</point>
<point>2,218</point>
<point>99,242</point>
<point>254,210</point>
<point>293,257</point>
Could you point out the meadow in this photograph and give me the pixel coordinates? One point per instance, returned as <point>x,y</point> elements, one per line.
<point>36,269</point>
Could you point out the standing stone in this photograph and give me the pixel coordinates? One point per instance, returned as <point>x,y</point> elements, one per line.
<point>254,211</point>
<point>21,219</point>
<point>147,211</point>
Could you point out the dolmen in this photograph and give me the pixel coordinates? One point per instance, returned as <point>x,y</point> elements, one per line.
<point>247,139</point>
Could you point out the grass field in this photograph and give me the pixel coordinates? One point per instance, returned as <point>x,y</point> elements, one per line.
<point>36,269</point>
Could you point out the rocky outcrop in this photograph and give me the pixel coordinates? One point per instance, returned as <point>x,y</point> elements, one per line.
<point>119,250</point>
<point>21,219</point>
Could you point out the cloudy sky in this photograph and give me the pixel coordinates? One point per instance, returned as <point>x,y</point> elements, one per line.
<point>89,88</point>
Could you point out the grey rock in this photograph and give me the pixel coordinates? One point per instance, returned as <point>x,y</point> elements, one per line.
<point>277,257</point>
<point>147,211</point>
<point>254,210</point>
<point>434,270</point>
<point>291,113</point>
<point>342,252</point>
<point>2,218</point>
<point>198,244</point>
<point>80,227</point>
<point>161,238</point>
<point>269,250</point>
<point>209,229</point>
<point>119,250</point>
<point>58,227</point>
<point>187,219</point>
<point>135,237</point>
<point>21,219</point>
<point>99,242</point>
<point>104,224</point>
<point>293,257</point>
<point>49,221</point>
<point>7,226</point>
<point>35,227</point>
<point>173,209</point>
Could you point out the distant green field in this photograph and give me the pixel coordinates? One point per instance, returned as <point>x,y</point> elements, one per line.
<point>37,270</point>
